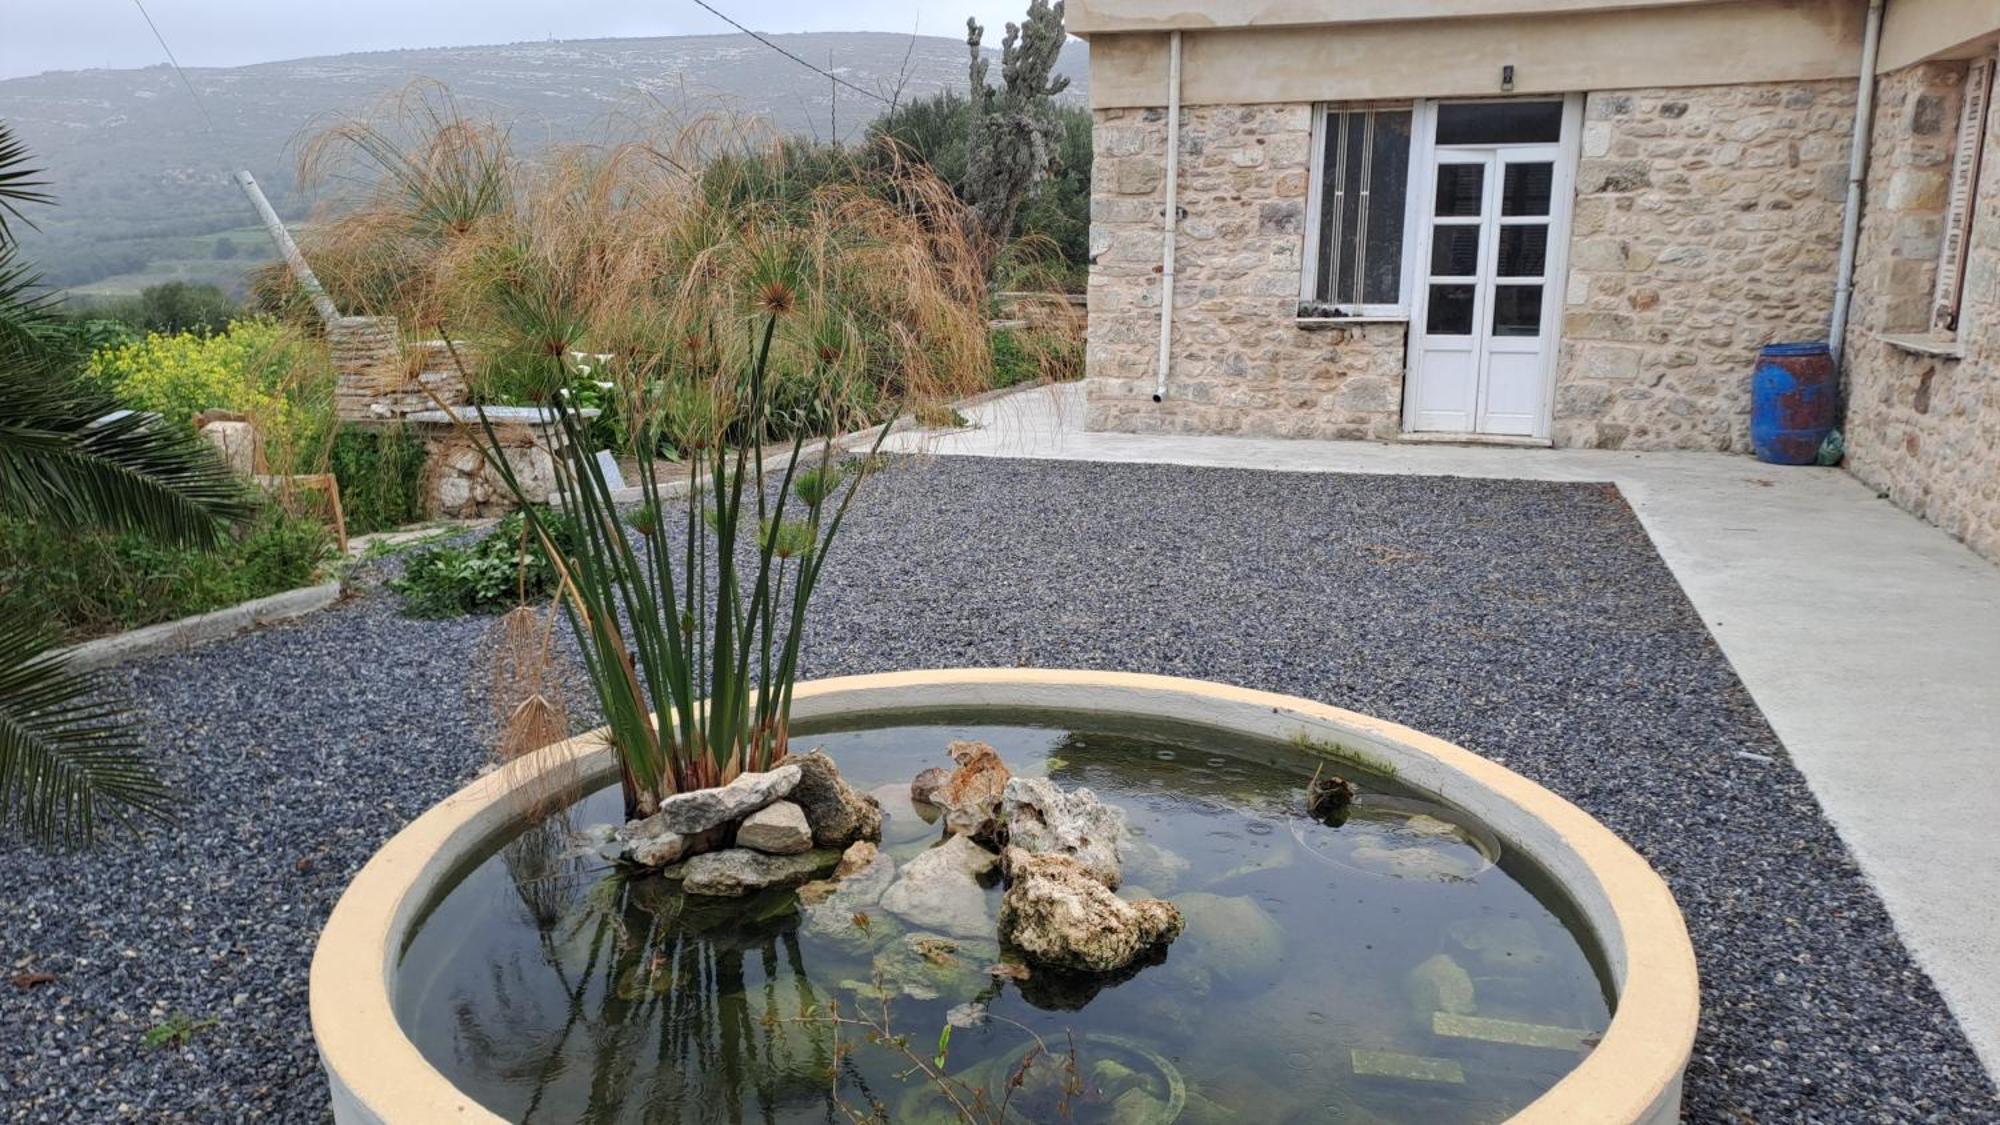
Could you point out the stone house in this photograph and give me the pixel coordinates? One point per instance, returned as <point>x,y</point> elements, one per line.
<point>1550,222</point>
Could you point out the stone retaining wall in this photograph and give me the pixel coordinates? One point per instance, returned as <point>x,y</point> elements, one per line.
<point>373,372</point>
<point>1925,429</point>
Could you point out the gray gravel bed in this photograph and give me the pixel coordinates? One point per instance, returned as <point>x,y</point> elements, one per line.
<point>1530,622</point>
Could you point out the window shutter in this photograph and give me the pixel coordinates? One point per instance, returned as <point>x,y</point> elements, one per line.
<point>1964,190</point>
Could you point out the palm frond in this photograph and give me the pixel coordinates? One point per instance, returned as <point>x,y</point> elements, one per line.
<point>67,455</point>
<point>70,761</point>
<point>18,184</point>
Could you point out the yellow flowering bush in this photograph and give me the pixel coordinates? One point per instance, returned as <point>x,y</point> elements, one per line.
<point>282,381</point>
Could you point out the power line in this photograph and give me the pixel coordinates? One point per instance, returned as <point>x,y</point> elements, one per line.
<point>162,40</point>
<point>837,79</point>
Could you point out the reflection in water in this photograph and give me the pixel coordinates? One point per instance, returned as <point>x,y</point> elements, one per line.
<point>1381,970</point>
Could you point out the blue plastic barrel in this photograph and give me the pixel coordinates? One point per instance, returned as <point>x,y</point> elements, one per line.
<point>1794,402</point>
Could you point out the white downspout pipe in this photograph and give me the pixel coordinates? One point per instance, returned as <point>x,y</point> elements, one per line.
<point>1172,220</point>
<point>1857,172</point>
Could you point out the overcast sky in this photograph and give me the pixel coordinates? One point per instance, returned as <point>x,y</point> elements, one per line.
<point>39,35</point>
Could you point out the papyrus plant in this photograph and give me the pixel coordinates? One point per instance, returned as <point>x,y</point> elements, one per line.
<point>712,294</point>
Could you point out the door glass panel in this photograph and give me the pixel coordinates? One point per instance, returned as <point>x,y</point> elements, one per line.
<point>1450,311</point>
<point>1460,189</point>
<point>1454,250</point>
<point>1526,187</point>
<point>1499,123</point>
<point>1517,310</point>
<point>1524,250</point>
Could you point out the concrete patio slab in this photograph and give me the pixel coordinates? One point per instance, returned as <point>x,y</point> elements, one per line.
<point>1870,640</point>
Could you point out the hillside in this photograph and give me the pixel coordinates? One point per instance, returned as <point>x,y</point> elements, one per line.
<point>144,185</point>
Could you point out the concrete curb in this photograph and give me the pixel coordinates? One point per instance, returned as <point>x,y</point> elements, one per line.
<point>201,628</point>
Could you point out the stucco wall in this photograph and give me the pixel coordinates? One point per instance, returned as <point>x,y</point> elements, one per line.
<point>1241,364</point>
<point>1245,60</point>
<point>1926,429</point>
<point>1707,224</point>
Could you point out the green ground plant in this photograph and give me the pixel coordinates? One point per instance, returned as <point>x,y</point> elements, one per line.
<point>503,569</point>
<point>88,583</point>
<point>381,473</point>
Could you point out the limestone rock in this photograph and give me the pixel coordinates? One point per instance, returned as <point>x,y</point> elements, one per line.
<point>650,843</point>
<point>928,784</point>
<point>971,796</point>
<point>843,909</point>
<point>940,889</point>
<point>1238,938</point>
<point>1440,984</point>
<point>859,856</point>
<point>735,872</point>
<point>926,967</point>
<point>1057,913</point>
<point>839,815</point>
<point>1151,864</point>
<point>778,828</point>
<point>1042,819</point>
<point>904,820</point>
<point>703,809</point>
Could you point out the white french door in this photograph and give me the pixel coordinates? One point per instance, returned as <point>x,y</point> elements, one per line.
<point>1487,310</point>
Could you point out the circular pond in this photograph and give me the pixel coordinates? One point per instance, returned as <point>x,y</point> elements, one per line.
<point>1412,958</point>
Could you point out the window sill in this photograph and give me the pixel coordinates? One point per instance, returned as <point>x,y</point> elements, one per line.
<point>1326,323</point>
<point>1924,343</point>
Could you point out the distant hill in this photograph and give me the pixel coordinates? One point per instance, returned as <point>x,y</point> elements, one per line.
<point>144,185</point>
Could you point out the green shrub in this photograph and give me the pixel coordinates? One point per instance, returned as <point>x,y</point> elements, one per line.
<point>381,475</point>
<point>280,380</point>
<point>498,572</point>
<point>90,583</point>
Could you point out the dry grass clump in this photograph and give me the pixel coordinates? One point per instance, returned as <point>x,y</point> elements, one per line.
<point>657,256</point>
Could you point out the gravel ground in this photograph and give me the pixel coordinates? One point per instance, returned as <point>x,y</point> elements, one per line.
<point>1530,622</point>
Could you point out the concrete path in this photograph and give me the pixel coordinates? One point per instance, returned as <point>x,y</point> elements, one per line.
<point>1870,639</point>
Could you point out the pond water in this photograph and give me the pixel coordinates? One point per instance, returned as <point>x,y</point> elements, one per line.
<point>1401,966</point>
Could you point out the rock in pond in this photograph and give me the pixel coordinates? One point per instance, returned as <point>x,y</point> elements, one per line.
<point>734,872</point>
<point>702,809</point>
<point>1238,938</point>
<point>778,828</point>
<point>1042,819</point>
<point>1439,984</point>
<point>970,798</point>
<point>940,889</point>
<point>1057,913</point>
<point>903,820</point>
<point>844,908</point>
<point>839,814</point>
<point>926,967</point>
<point>924,789</point>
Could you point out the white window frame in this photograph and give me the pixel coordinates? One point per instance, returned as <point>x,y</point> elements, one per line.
<point>1420,146</point>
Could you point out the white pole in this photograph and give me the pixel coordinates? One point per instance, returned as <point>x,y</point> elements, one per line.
<point>297,261</point>
<point>1857,172</point>
<point>1172,220</point>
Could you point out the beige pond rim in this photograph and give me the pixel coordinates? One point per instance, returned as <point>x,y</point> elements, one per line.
<point>376,1074</point>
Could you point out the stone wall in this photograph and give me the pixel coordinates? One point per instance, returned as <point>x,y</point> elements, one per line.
<point>373,369</point>
<point>1241,363</point>
<point>1925,428</point>
<point>459,484</point>
<point>1707,224</point>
